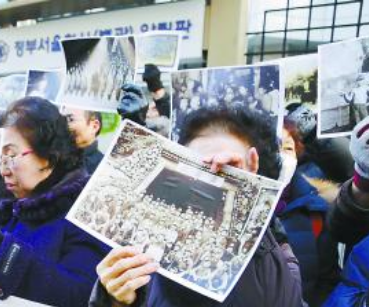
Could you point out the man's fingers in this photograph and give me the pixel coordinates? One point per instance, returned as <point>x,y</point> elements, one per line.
<point>127,292</point>
<point>253,160</point>
<point>121,266</point>
<point>114,255</point>
<point>131,274</point>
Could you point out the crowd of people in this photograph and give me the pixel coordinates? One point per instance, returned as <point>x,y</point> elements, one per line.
<point>46,162</point>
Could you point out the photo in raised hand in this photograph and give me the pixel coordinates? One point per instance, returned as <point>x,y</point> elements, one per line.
<point>257,88</point>
<point>343,86</point>
<point>154,194</point>
<point>45,84</point>
<point>96,69</point>
<point>12,87</point>
<point>159,48</point>
<point>301,80</point>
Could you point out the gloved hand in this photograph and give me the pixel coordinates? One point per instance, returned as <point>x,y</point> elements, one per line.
<point>151,76</point>
<point>359,147</point>
<point>133,105</point>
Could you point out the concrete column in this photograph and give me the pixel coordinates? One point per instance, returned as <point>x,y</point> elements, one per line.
<point>225,32</point>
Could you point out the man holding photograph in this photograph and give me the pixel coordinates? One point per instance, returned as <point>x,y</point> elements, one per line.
<point>223,137</point>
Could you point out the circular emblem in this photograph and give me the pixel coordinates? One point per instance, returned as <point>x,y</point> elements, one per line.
<point>4,51</point>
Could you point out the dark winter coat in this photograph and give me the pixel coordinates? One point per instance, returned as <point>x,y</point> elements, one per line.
<point>43,257</point>
<point>317,253</point>
<point>92,157</point>
<point>353,291</point>
<point>348,222</point>
<point>266,282</point>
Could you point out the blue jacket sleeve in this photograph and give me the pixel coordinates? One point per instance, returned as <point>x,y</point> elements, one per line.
<point>65,282</point>
<point>353,290</point>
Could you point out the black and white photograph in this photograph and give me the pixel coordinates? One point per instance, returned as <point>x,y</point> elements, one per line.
<point>254,87</point>
<point>12,87</point>
<point>202,227</point>
<point>301,80</point>
<point>96,69</point>
<point>343,86</point>
<point>159,48</point>
<point>45,84</point>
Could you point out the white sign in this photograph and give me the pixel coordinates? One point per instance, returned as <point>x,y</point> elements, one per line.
<point>37,47</point>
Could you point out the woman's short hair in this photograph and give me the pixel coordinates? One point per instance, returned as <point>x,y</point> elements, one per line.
<point>45,129</point>
<point>242,123</point>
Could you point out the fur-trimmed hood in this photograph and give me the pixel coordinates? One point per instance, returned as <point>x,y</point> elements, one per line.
<point>52,197</point>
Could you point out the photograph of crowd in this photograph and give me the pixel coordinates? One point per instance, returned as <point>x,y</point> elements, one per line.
<point>155,194</point>
<point>12,88</point>
<point>96,69</point>
<point>254,87</point>
<point>301,80</point>
<point>161,49</point>
<point>45,84</point>
<point>343,86</point>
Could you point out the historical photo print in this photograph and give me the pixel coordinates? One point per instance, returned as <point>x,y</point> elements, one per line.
<point>12,87</point>
<point>301,81</point>
<point>161,49</point>
<point>45,84</point>
<point>254,87</point>
<point>96,69</point>
<point>152,193</point>
<point>343,86</point>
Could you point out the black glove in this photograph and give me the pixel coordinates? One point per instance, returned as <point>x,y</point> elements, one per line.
<point>133,105</point>
<point>151,76</point>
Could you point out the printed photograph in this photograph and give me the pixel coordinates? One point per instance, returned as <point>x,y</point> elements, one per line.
<point>161,49</point>
<point>152,193</point>
<point>45,84</point>
<point>343,86</point>
<point>12,87</point>
<point>254,87</point>
<point>301,80</point>
<point>96,69</point>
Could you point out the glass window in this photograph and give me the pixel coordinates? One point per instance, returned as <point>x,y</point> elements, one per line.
<point>276,21</point>
<point>347,14</point>
<point>296,42</point>
<point>320,36</point>
<point>364,30</point>
<point>321,16</point>
<point>344,33</point>
<point>298,19</point>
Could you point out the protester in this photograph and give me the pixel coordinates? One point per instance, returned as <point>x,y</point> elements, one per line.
<point>303,212</point>
<point>86,127</point>
<point>323,152</point>
<point>222,137</point>
<point>43,257</point>
<point>349,222</point>
<point>349,217</point>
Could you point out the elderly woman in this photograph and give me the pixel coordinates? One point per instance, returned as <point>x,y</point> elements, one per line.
<point>43,257</point>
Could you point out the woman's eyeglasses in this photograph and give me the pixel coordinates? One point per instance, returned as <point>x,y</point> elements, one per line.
<point>10,161</point>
